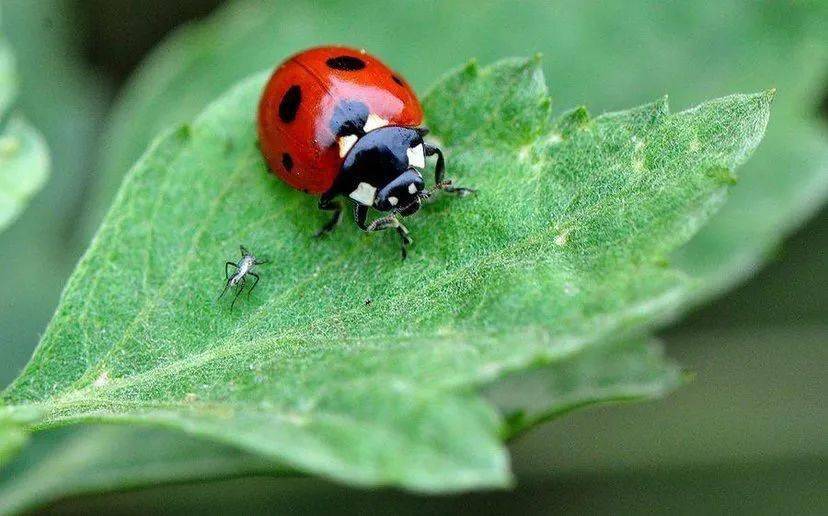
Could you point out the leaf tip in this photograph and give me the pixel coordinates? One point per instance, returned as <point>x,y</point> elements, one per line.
<point>472,69</point>
<point>724,175</point>
<point>184,132</point>
<point>761,99</point>
<point>661,107</point>
<point>572,121</point>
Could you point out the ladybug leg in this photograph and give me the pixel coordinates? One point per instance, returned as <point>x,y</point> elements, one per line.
<point>386,222</point>
<point>327,203</point>
<point>439,170</point>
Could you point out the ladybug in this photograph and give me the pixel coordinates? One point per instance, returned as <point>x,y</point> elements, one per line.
<point>337,122</point>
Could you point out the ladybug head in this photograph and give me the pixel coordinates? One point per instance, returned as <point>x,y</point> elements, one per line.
<point>402,195</point>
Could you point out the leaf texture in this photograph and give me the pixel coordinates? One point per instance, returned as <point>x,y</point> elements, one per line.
<point>561,251</point>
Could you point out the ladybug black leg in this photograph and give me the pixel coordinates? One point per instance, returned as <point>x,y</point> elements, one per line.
<point>386,222</point>
<point>439,171</point>
<point>328,204</point>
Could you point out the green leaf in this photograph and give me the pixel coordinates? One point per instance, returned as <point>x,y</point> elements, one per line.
<point>64,462</point>
<point>24,159</point>
<point>86,460</point>
<point>13,431</point>
<point>639,54</point>
<point>8,82</point>
<point>561,249</point>
<point>622,371</point>
<point>24,168</point>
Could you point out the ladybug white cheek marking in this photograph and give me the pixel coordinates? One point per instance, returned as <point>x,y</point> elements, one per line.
<point>374,122</point>
<point>393,201</point>
<point>345,144</point>
<point>416,157</point>
<point>364,194</point>
<point>412,188</point>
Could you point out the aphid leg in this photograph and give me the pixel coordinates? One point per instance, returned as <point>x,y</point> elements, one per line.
<point>226,286</point>
<point>439,170</point>
<point>239,291</point>
<point>262,262</point>
<point>386,222</point>
<point>227,271</point>
<point>327,203</point>
<point>244,251</point>
<point>256,281</point>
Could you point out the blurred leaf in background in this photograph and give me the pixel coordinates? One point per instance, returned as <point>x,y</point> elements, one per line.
<point>65,100</point>
<point>24,159</point>
<point>24,168</point>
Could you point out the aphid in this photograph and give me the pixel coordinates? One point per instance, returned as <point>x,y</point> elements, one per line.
<point>244,268</point>
<point>334,121</point>
<point>368,301</point>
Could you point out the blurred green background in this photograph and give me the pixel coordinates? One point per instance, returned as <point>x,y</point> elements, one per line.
<point>100,78</point>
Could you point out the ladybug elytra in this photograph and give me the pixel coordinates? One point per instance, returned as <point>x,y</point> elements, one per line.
<point>337,122</point>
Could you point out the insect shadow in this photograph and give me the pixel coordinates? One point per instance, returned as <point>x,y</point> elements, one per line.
<point>244,268</point>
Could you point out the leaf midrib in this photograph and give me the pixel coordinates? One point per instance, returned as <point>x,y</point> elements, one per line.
<point>272,343</point>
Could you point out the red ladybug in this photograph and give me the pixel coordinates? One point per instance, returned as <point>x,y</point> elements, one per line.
<point>334,121</point>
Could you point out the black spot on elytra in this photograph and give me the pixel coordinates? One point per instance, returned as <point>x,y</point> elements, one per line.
<point>347,63</point>
<point>287,162</point>
<point>397,80</point>
<point>290,104</point>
